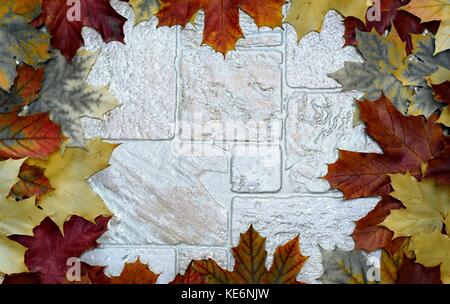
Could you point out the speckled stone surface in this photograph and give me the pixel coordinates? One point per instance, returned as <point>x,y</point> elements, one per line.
<point>181,185</point>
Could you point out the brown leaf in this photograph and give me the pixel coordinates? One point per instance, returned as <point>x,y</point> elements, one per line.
<point>439,167</point>
<point>250,258</point>
<point>369,236</point>
<point>135,273</point>
<point>33,182</point>
<point>407,143</point>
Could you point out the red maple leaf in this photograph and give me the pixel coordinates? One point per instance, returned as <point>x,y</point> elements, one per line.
<point>49,250</point>
<point>65,28</point>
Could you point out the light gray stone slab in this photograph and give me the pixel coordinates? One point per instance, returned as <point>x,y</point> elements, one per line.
<point>316,126</point>
<point>160,260</point>
<point>256,168</point>
<point>237,98</point>
<point>318,220</point>
<point>317,54</point>
<point>265,37</point>
<point>141,74</point>
<point>186,255</point>
<point>157,196</point>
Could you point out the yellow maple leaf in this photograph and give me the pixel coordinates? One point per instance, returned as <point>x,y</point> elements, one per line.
<point>433,249</point>
<point>15,218</point>
<point>307,15</point>
<point>429,10</point>
<point>144,9</point>
<point>426,206</point>
<point>68,174</point>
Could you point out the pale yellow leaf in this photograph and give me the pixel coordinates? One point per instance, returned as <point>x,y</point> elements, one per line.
<point>68,174</point>
<point>426,203</point>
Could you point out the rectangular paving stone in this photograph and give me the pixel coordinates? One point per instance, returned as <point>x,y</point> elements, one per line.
<point>317,125</point>
<point>158,196</point>
<point>318,220</point>
<point>237,98</point>
<point>256,168</point>
<point>309,61</point>
<point>159,260</point>
<point>141,74</point>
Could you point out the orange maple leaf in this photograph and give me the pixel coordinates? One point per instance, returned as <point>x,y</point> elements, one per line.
<point>250,264</point>
<point>135,273</point>
<point>222,29</point>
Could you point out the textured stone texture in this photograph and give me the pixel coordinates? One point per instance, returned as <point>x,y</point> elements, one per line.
<point>238,98</point>
<point>158,197</point>
<point>256,168</point>
<point>141,74</point>
<point>180,185</point>
<point>316,126</point>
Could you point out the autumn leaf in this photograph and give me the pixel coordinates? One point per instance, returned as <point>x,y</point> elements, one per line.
<point>144,9</point>
<point>135,273</point>
<point>344,267</point>
<point>374,76</point>
<point>426,206</point>
<point>441,92</point>
<point>20,41</point>
<point>65,26</point>
<point>399,269</point>
<point>67,96</point>
<point>190,276</point>
<point>250,258</point>
<point>32,182</point>
<point>399,22</point>
<point>307,16</point>
<point>423,63</point>
<point>24,91</point>
<point>68,174</point>
<point>428,10</point>
<point>407,143</point>
<point>49,250</point>
<point>15,218</point>
<point>439,167</point>
<point>222,29</point>
<point>28,136</point>
<point>433,249</point>
<point>369,236</point>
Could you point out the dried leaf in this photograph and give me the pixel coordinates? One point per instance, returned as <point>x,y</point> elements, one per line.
<point>24,91</point>
<point>439,167</point>
<point>222,29</point>
<point>20,41</point>
<point>307,16</point>
<point>344,267</point>
<point>429,10</point>
<point>407,143</point>
<point>65,26</point>
<point>33,182</point>
<point>426,204</point>
<point>49,250</point>
<point>144,9</point>
<point>369,236</point>
<point>28,136</point>
<point>250,258</point>
<point>15,218</point>
<point>135,273</point>
<point>374,76</point>
<point>68,97</point>
<point>433,249</point>
<point>68,174</point>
